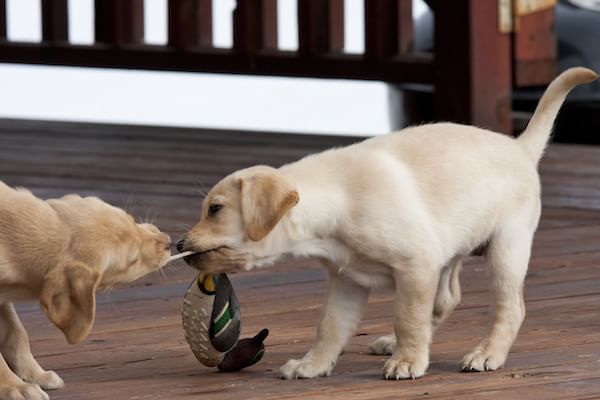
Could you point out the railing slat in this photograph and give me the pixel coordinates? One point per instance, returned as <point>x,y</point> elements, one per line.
<point>55,21</point>
<point>119,22</point>
<point>320,26</point>
<point>388,28</point>
<point>255,26</point>
<point>336,26</point>
<point>406,31</point>
<point>190,23</point>
<point>2,19</point>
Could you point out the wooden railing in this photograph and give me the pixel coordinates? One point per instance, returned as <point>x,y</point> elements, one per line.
<point>470,68</point>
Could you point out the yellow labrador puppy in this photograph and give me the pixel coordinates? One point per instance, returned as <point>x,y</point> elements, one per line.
<point>61,252</point>
<point>398,211</point>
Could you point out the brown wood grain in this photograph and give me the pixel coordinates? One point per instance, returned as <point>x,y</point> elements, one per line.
<point>55,21</point>
<point>255,26</point>
<point>389,28</point>
<point>137,349</point>
<point>474,85</point>
<point>119,23</point>
<point>535,49</point>
<point>320,27</point>
<point>2,19</point>
<point>190,23</point>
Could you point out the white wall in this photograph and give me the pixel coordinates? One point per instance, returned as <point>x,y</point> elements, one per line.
<point>184,99</point>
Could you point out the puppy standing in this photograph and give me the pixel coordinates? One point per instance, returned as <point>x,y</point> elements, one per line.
<point>398,211</point>
<point>61,251</point>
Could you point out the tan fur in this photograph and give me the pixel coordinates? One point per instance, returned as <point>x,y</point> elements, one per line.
<point>397,212</point>
<point>61,251</point>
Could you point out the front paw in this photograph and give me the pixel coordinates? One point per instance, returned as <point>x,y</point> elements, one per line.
<point>22,391</point>
<point>482,360</point>
<point>304,369</point>
<point>399,367</point>
<point>48,380</point>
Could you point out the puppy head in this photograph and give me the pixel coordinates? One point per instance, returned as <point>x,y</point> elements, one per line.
<point>105,248</point>
<point>239,211</point>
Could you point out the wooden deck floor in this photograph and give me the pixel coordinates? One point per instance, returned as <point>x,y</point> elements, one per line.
<point>137,349</point>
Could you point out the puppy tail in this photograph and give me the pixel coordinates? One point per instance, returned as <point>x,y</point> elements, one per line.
<point>537,133</point>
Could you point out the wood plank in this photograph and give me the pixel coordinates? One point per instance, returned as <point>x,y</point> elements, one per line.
<point>535,49</point>
<point>320,27</point>
<point>388,28</point>
<point>410,68</point>
<point>190,23</point>
<point>55,21</point>
<point>119,23</point>
<point>473,64</point>
<point>2,20</point>
<point>255,26</point>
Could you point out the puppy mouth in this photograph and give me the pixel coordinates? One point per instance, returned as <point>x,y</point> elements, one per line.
<point>214,260</point>
<point>199,254</point>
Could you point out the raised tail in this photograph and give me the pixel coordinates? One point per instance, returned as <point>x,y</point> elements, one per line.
<point>537,133</point>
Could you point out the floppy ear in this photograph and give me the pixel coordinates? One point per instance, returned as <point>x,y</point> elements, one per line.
<point>266,198</point>
<point>69,299</point>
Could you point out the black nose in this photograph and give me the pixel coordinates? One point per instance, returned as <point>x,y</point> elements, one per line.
<point>180,244</point>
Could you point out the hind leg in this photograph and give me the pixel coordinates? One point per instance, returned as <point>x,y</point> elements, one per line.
<point>447,298</point>
<point>508,259</point>
<point>448,293</point>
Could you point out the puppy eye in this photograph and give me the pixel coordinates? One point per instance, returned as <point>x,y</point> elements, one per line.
<point>213,209</point>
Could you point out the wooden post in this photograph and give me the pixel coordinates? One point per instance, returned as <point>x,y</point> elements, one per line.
<point>255,26</point>
<point>320,27</point>
<point>388,28</point>
<point>55,21</point>
<point>119,22</point>
<point>190,23</point>
<point>472,64</point>
<point>2,19</point>
<point>535,48</point>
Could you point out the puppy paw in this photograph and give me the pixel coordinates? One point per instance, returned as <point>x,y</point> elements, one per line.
<point>48,380</point>
<point>398,367</point>
<point>22,391</point>
<point>304,369</point>
<point>384,345</point>
<point>482,360</point>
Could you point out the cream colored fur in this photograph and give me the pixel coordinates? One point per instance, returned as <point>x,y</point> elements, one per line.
<point>399,211</point>
<point>61,252</point>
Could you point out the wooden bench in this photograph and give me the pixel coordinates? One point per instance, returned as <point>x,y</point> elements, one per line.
<point>472,68</point>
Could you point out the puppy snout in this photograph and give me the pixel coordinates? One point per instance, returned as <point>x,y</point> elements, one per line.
<point>180,244</point>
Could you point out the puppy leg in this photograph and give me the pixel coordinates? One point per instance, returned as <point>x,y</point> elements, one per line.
<point>343,310</point>
<point>508,258</point>
<point>13,388</point>
<point>383,345</point>
<point>413,307</point>
<point>447,297</point>
<point>17,352</point>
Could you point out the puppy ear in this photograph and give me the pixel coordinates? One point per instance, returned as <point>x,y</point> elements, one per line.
<point>266,198</point>
<point>69,299</point>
